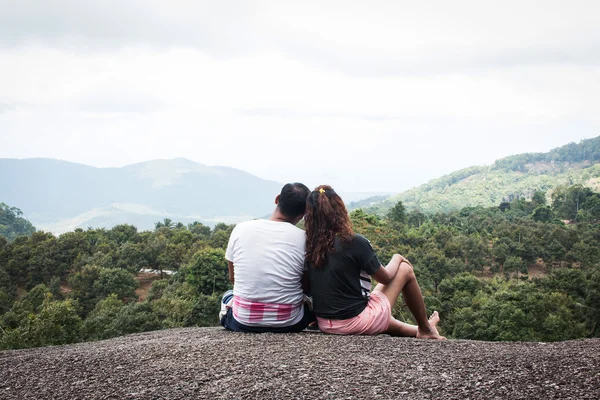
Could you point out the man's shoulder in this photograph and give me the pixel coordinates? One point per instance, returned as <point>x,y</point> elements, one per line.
<point>248,224</point>
<point>264,226</point>
<point>296,230</point>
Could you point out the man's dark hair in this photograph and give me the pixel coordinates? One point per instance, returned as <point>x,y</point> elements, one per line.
<point>292,199</point>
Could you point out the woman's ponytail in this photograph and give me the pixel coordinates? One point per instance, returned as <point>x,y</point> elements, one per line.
<point>326,217</point>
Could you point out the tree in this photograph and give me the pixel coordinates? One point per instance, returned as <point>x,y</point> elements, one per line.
<point>567,201</point>
<point>155,250</point>
<point>361,219</point>
<point>132,257</point>
<point>501,251</point>
<point>220,238</point>
<point>204,311</point>
<point>180,226</point>
<point>93,283</point>
<point>517,311</point>
<point>115,281</point>
<point>416,218</point>
<point>556,251</point>
<point>121,234</point>
<point>57,323</point>
<point>504,206</point>
<point>6,301</point>
<point>173,311</point>
<point>208,271</point>
<point>438,266</point>
<point>34,299</point>
<point>44,261</point>
<point>538,198</point>
<point>199,229</point>
<point>593,303</point>
<point>82,287</point>
<point>165,223</point>
<point>398,213</point>
<point>100,324</point>
<point>52,323</point>
<point>513,265</point>
<point>136,317</point>
<point>590,209</point>
<point>543,214</point>
<point>12,224</point>
<point>585,253</point>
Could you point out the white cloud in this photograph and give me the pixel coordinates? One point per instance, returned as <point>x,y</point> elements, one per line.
<point>367,98</point>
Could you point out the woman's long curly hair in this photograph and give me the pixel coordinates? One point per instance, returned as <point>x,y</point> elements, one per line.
<point>326,217</point>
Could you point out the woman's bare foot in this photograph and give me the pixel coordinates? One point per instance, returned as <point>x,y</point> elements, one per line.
<point>432,332</point>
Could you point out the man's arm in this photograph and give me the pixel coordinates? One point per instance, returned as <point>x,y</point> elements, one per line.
<point>305,282</point>
<point>230,268</point>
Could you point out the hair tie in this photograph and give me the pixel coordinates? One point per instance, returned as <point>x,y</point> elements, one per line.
<point>321,190</point>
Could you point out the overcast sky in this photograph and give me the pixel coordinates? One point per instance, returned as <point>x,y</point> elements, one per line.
<point>366,96</point>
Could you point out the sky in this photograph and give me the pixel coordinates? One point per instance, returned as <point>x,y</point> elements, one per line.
<point>365,96</point>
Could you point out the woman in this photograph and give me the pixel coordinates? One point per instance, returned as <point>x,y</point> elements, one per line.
<point>341,264</point>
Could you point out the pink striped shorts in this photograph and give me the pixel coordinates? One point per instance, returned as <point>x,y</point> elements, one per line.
<point>373,320</point>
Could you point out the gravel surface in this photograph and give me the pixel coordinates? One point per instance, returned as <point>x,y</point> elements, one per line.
<point>213,363</point>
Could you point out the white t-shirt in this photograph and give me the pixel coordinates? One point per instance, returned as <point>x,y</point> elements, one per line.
<point>268,259</point>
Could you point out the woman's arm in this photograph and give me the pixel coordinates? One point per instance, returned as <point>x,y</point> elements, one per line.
<point>385,274</point>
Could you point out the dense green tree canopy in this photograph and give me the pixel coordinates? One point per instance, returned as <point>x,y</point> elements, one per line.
<point>530,176</point>
<point>515,272</point>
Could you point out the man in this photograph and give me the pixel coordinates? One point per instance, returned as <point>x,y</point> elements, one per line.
<point>266,268</point>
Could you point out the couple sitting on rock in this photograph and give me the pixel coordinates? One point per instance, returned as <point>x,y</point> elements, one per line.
<point>272,263</point>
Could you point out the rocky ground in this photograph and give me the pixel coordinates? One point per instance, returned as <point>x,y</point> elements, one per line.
<point>213,363</point>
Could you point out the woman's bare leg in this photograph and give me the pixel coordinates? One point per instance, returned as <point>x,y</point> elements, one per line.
<point>398,328</point>
<point>405,282</point>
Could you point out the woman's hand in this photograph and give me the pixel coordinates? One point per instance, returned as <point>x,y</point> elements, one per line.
<point>403,259</point>
<point>385,274</point>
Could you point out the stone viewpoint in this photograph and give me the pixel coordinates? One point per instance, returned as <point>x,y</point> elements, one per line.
<point>212,363</point>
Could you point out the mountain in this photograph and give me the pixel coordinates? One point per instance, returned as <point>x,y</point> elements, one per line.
<point>59,196</point>
<point>508,178</point>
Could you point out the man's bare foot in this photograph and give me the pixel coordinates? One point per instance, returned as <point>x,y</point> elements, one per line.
<point>432,332</point>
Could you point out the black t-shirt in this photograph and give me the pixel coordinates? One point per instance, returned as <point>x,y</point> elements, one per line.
<point>341,287</point>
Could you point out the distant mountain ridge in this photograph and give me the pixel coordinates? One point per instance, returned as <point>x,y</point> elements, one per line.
<point>59,195</point>
<point>508,178</point>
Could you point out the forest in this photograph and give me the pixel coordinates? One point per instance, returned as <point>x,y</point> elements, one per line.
<point>526,270</point>
<point>508,179</point>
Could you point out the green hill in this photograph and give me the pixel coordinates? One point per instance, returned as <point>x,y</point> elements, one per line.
<point>12,224</point>
<point>507,179</point>
<point>59,196</point>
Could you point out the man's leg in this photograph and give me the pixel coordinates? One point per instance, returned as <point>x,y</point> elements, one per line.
<point>226,314</point>
<point>306,320</point>
<point>230,323</point>
<point>405,282</point>
<point>226,302</point>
